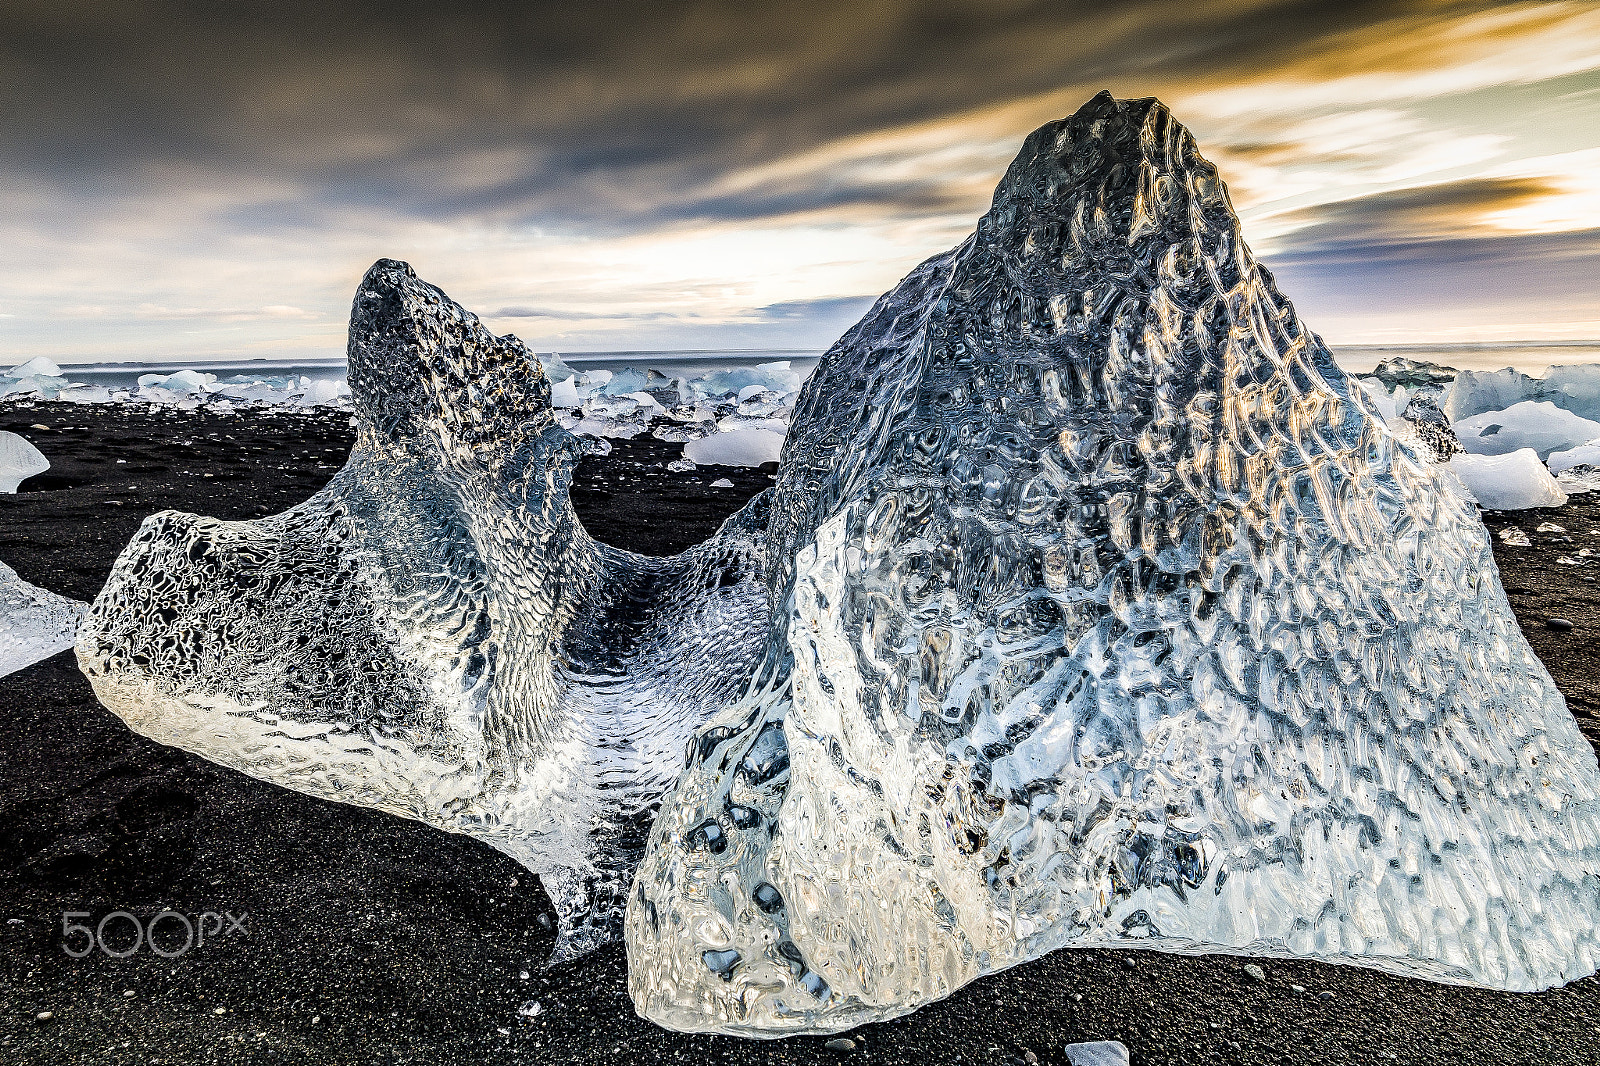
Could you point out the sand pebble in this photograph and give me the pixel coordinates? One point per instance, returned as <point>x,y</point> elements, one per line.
<point>1560,625</point>
<point>1256,973</point>
<point>842,1043</point>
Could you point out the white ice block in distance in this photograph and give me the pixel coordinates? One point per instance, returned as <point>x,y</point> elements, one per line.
<point>1106,613</point>
<point>1511,482</point>
<point>19,460</point>
<point>1587,453</point>
<point>37,367</point>
<point>1572,388</point>
<point>1535,424</point>
<point>738,447</point>
<point>434,634</point>
<point>34,623</point>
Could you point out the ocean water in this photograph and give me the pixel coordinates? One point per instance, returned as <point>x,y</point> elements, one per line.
<point>1529,357</point>
<point>687,363</point>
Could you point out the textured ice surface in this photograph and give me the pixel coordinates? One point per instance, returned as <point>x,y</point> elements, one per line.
<point>434,634</point>
<point>1106,612</point>
<point>34,623</point>
<point>1511,482</point>
<point>1536,424</point>
<point>19,460</point>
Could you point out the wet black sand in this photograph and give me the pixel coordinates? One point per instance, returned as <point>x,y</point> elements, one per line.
<point>374,940</point>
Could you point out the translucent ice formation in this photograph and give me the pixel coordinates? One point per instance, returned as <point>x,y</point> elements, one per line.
<point>19,460</point>
<point>1106,612</point>
<point>434,634</point>
<point>34,624</point>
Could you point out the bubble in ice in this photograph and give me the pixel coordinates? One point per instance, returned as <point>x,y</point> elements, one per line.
<point>434,634</point>
<point>1106,612</point>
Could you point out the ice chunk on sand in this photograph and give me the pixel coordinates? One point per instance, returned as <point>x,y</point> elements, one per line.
<point>434,634</point>
<point>1097,1053</point>
<point>1588,453</point>
<point>1535,424</point>
<point>1104,614</point>
<point>19,460</point>
<point>1510,482</point>
<point>34,623</point>
<point>738,447</point>
<point>564,394</point>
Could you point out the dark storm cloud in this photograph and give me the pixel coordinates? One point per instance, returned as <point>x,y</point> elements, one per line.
<point>1418,217</point>
<point>602,109</point>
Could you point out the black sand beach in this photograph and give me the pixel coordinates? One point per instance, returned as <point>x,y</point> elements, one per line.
<point>374,940</point>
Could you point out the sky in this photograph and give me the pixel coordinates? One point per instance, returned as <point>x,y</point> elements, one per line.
<point>194,179</point>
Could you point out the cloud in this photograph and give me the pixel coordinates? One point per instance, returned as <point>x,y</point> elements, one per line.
<point>1411,216</point>
<point>634,172</point>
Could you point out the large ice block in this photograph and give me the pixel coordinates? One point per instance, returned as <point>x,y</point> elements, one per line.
<point>1106,613</point>
<point>434,634</point>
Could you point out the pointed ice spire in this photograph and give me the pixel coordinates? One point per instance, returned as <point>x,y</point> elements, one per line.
<point>1107,612</point>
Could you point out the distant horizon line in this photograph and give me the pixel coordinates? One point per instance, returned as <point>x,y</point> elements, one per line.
<point>609,353</point>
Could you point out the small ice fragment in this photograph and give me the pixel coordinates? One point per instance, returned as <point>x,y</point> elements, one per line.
<point>1097,1053</point>
<point>1550,527</point>
<point>680,466</point>
<point>564,394</point>
<point>19,460</point>
<point>1508,482</point>
<point>722,483</point>
<point>1582,477</point>
<point>1514,537</point>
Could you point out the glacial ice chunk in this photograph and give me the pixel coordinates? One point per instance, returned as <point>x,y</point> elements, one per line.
<point>1588,452</point>
<point>1536,424</point>
<point>434,634</point>
<point>736,447</point>
<point>1572,388</point>
<point>1105,613</point>
<point>40,366</point>
<point>34,623</point>
<point>1510,482</point>
<point>19,460</point>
